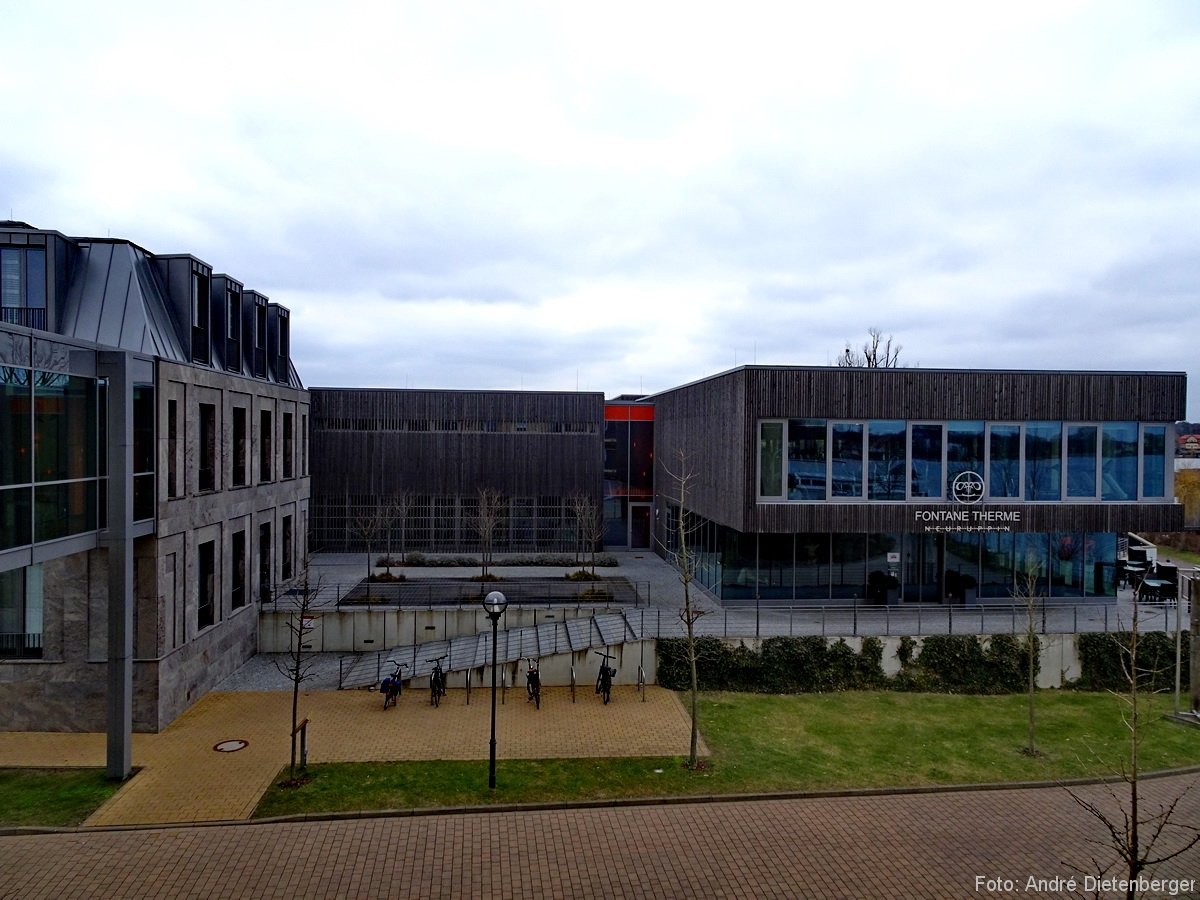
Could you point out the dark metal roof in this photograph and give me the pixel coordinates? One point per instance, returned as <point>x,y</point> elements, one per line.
<point>115,298</point>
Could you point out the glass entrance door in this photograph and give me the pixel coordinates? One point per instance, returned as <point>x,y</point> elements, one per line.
<point>639,526</point>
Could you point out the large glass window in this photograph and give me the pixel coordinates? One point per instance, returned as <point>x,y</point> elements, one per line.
<point>770,459</point>
<point>927,460</point>
<point>964,451</point>
<point>64,509</point>
<point>15,517</point>
<point>16,445</point>
<point>847,459</point>
<point>886,460</point>
<point>64,426</point>
<point>1082,441</point>
<point>1043,461</point>
<point>1154,460</point>
<point>806,459</point>
<point>266,447</point>
<point>237,594</point>
<point>1004,461</point>
<point>1118,461</point>
<point>288,438</point>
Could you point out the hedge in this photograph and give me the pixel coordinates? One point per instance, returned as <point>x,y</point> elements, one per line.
<point>1103,659</point>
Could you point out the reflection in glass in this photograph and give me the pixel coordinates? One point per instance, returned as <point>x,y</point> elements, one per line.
<point>1154,456</point>
<point>847,457</point>
<point>65,426</point>
<point>927,460</point>
<point>1043,461</point>
<point>885,460</point>
<point>806,459</point>
<point>16,450</point>
<point>770,459</point>
<point>1118,462</point>
<point>1004,470</point>
<point>1082,441</point>
<point>64,509</point>
<point>14,517</point>
<point>964,450</point>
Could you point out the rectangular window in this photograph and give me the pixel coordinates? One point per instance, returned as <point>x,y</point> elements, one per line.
<point>806,459</point>
<point>1082,443</point>
<point>23,287</point>
<point>237,594</point>
<point>206,585</point>
<point>16,432</point>
<point>143,452</point>
<point>15,517</point>
<point>266,448</point>
<point>846,454</point>
<point>886,460</point>
<point>1154,461</point>
<point>288,438</point>
<point>285,548</point>
<point>201,323</point>
<point>964,451</point>
<point>172,448</point>
<point>1043,461</point>
<point>1119,461</point>
<point>1004,461</point>
<point>208,447</point>
<point>21,613</point>
<point>927,460</point>
<point>239,446</point>
<point>770,459</point>
<point>304,445</point>
<point>65,427</point>
<point>264,563</point>
<point>64,509</point>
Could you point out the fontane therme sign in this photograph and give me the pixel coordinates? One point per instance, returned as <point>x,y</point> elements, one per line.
<point>967,491</point>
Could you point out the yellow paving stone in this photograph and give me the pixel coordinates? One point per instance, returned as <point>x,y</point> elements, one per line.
<point>182,778</point>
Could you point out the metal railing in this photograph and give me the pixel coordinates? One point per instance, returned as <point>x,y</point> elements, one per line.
<point>430,594</point>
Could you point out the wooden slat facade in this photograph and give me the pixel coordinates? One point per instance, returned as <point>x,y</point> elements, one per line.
<point>451,444</point>
<point>715,421</point>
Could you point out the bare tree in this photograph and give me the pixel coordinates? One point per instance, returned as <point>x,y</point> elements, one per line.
<point>486,522</point>
<point>876,353</point>
<point>1139,838</point>
<point>297,664</point>
<point>395,509</point>
<point>589,525</point>
<point>367,525</point>
<point>1028,592</point>
<point>681,555</point>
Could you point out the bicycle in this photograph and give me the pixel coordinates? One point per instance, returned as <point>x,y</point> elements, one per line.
<point>437,682</point>
<point>533,682</point>
<point>605,676</point>
<point>392,685</point>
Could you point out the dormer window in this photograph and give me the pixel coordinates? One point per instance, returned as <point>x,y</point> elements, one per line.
<point>201,343</point>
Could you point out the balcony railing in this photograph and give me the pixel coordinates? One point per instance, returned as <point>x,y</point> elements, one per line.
<point>26,318</point>
<point>20,646</point>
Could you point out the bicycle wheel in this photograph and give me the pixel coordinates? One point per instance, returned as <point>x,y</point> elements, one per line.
<point>537,696</point>
<point>435,691</point>
<point>606,690</point>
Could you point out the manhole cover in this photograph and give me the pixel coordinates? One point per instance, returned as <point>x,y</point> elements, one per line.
<point>230,746</point>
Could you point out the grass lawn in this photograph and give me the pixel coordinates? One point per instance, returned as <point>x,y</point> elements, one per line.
<point>788,743</point>
<point>1178,555</point>
<point>52,797</point>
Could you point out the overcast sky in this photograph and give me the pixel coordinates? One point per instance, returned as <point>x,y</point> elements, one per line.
<point>624,197</point>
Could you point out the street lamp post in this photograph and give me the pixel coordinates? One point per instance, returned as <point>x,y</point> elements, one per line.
<point>494,603</point>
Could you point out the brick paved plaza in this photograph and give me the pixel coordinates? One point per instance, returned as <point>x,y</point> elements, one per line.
<point>898,845</point>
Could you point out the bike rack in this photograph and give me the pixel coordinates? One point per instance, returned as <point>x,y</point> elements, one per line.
<point>642,682</point>
<point>572,682</point>
<point>468,687</point>
<point>504,686</point>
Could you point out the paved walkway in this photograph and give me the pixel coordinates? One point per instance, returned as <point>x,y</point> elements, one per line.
<point>183,779</point>
<point>898,845</point>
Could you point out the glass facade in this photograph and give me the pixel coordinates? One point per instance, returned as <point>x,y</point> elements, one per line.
<point>50,456</point>
<point>862,569</point>
<point>920,461</point>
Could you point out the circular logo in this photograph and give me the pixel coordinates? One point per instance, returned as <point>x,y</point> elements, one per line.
<point>967,487</point>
